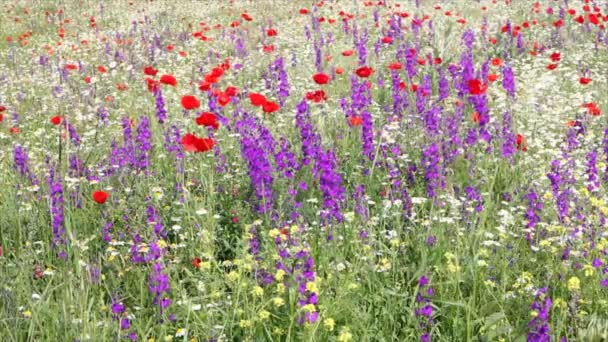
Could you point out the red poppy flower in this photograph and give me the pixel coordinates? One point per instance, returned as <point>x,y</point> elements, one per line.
<point>257,99</point>
<point>593,19</point>
<point>476,87</point>
<point>1,117</point>
<point>208,119</point>
<point>268,48</point>
<point>211,79</point>
<point>196,262</point>
<point>71,66</point>
<point>496,61</point>
<point>558,23</point>
<point>204,85</point>
<point>492,77</point>
<point>476,117</point>
<point>347,53</point>
<point>592,108</point>
<point>223,99</point>
<point>169,80</point>
<point>387,40</point>
<point>150,71</point>
<point>100,196</point>
<point>580,19</point>
<point>437,60</point>
<point>303,11</point>
<point>270,107</point>
<point>320,78</point>
<point>14,130</point>
<point>271,32</point>
<point>101,69</point>
<point>551,66</point>
<point>555,57</point>
<point>355,121</point>
<point>584,80</point>
<point>231,91</point>
<point>395,66</point>
<point>339,70</point>
<point>56,120</point>
<point>152,84</point>
<point>2,109</point>
<point>522,144</point>
<point>246,16</point>
<point>217,72</point>
<point>364,71</point>
<point>122,86</point>
<point>192,143</point>
<point>190,102</point>
<point>316,96</point>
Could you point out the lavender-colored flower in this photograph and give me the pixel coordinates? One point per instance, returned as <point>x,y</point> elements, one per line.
<point>331,186</point>
<point>144,143</point>
<point>508,80</point>
<point>256,154</point>
<point>593,181</point>
<point>432,168</point>
<point>367,135</point>
<point>161,111</point>
<point>539,325</point>
<point>158,286</point>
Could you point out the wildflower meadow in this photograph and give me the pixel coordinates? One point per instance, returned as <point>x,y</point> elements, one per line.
<point>291,170</point>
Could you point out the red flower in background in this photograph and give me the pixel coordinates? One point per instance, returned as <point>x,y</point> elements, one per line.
<point>321,78</point>
<point>190,102</point>
<point>364,71</point>
<point>584,80</point>
<point>196,262</point>
<point>522,144</point>
<point>192,143</point>
<point>56,120</point>
<point>152,84</point>
<point>204,86</point>
<point>316,96</point>
<point>223,99</point>
<point>347,53</point>
<point>387,40</point>
<point>476,87</point>
<point>271,32</point>
<point>257,99</point>
<point>592,108</point>
<point>551,66</point>
<point>168,80</point>
<point>395,66</point>
<point>100,196</point>
<point>231,91</point>
<point>208,119</point>
<point>355,120</point>
<point>2,109</point>
<point>150,71</point>
<point>270,107</point>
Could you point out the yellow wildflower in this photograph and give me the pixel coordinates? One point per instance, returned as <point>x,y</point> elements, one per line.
<point>329,324</point>
<point>574,284</point>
